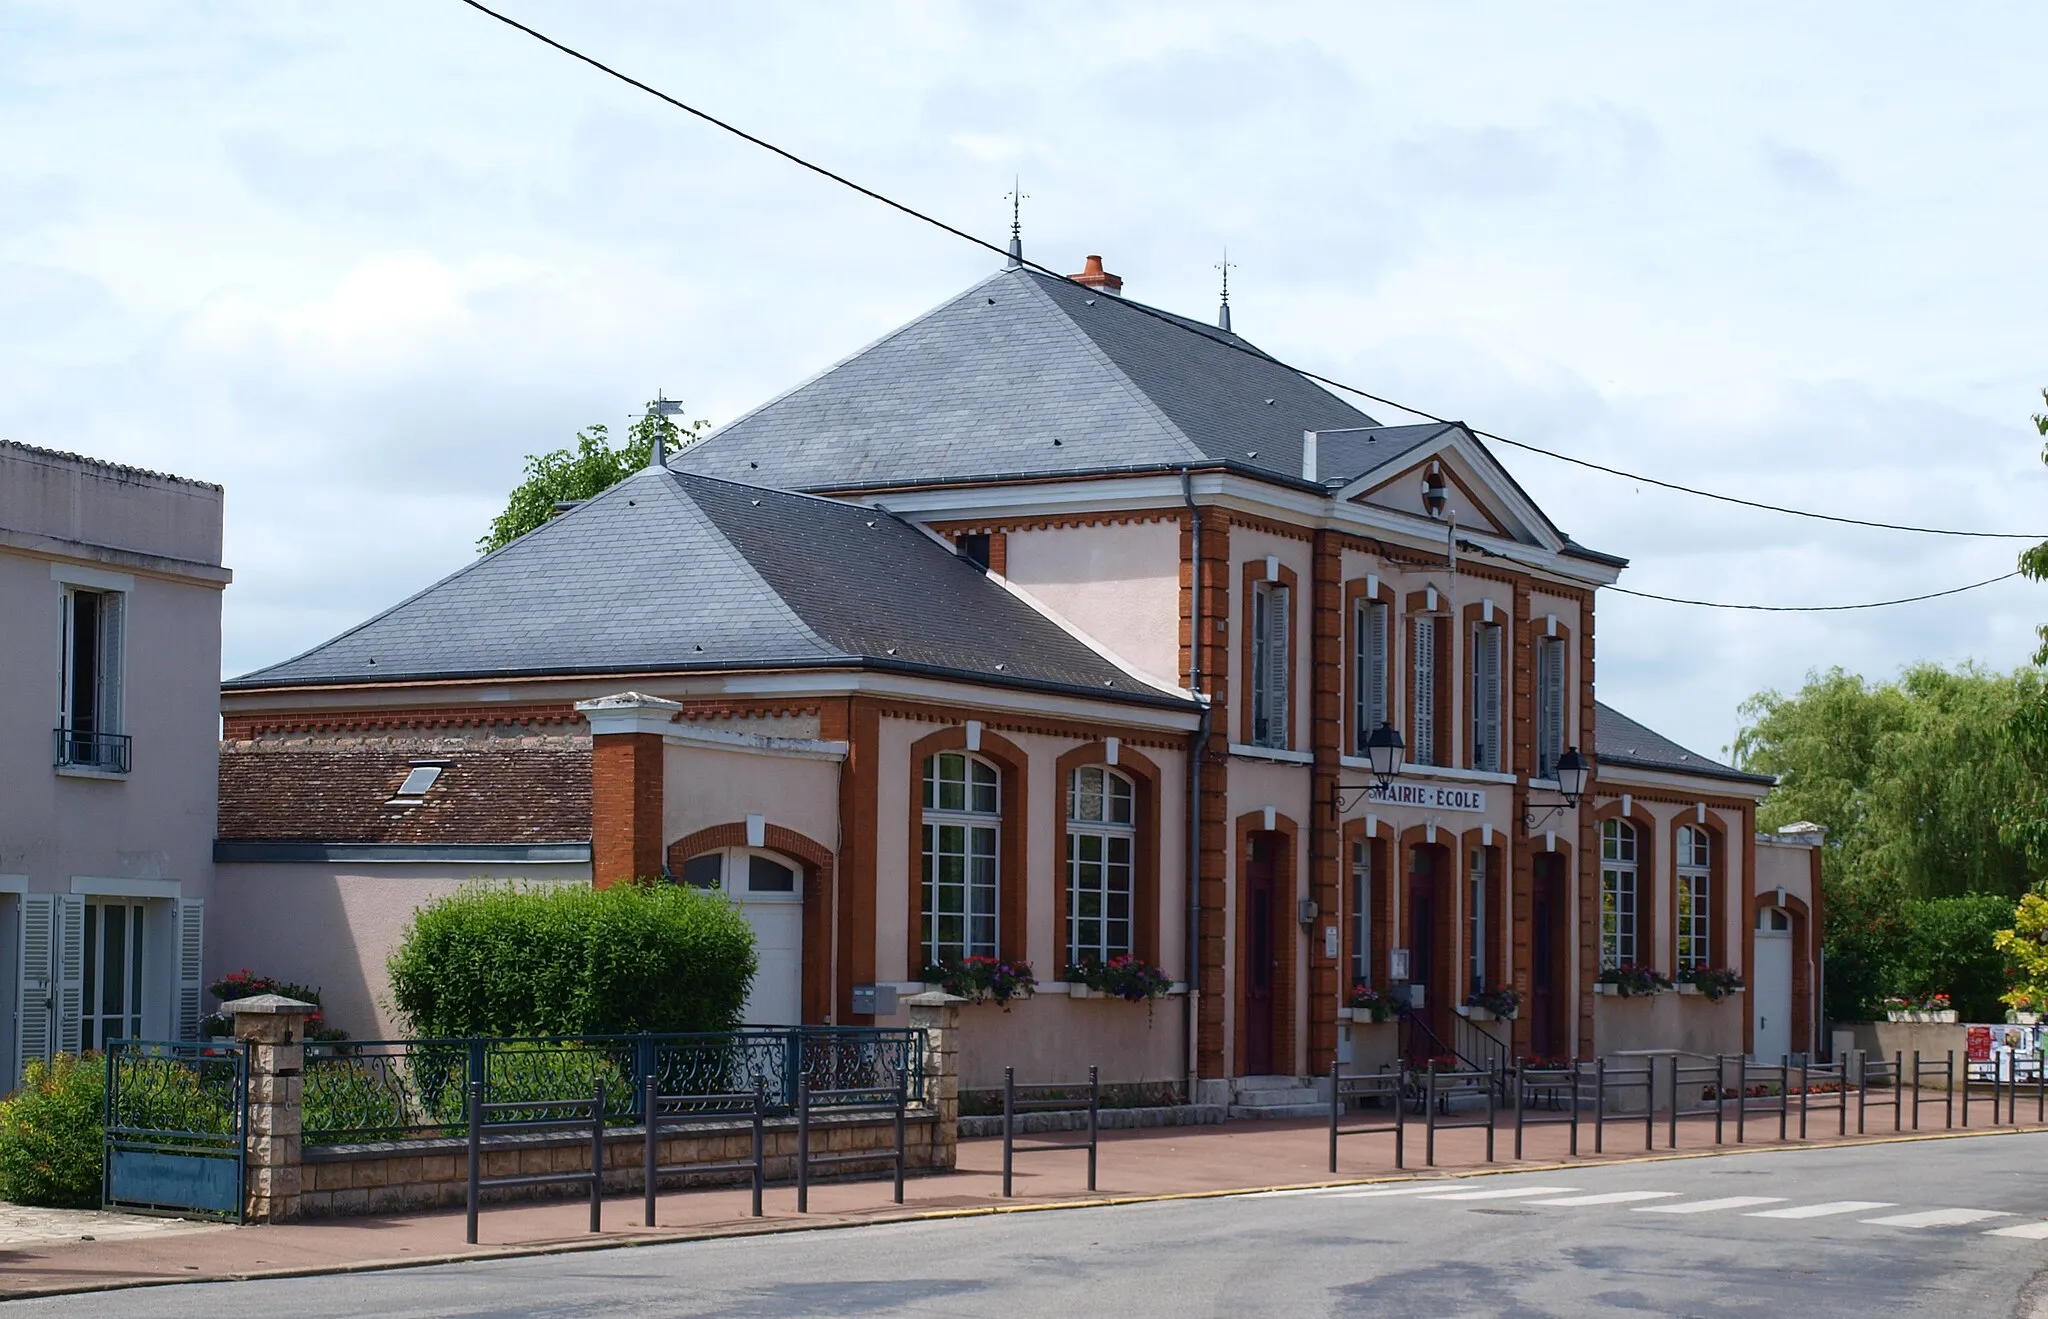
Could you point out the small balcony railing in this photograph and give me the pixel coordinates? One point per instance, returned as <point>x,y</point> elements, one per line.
<point>106,752</point>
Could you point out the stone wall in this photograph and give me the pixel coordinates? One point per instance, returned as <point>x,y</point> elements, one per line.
<point>395,1176</point>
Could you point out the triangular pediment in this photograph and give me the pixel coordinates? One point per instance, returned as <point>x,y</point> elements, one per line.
<point>1479,493</point>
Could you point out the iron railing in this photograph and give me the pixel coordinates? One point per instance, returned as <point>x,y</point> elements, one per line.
<point>379,1090</point>
<point>108,752</point>
<point>176,1122</point>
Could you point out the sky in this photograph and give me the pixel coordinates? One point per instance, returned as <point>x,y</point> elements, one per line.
<point>354,262</point>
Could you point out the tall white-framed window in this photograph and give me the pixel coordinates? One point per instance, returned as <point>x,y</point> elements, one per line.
<point>1361,912</point>
<point>91,659</point>
<point>1102,840</point>
<point>1549,705</point>
<point>1695,898</point>
<point>1369,671</point>
<point>1422,748</point>
<point>1475,919</point>
<point>1617,893</point>
<point>1272,658</point>
<point>962,825</point>
<point>1487,751</point>
<point>113,973</point>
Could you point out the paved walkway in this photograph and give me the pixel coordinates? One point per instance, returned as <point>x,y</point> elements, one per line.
<point>1143,1164</point>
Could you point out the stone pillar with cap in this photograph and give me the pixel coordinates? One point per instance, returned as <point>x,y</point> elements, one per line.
<point>937,1014</point>
<point>274,1029</point>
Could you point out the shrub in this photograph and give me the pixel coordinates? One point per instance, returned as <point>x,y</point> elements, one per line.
<point>573,961</point>
<point>52,1137</point>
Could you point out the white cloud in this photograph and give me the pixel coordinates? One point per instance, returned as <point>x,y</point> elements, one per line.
<point>355,263</point>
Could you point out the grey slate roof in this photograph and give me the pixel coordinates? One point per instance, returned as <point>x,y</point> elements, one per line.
<point>669,571</point>
<point>1026,375</point>
<point>1621,741</point>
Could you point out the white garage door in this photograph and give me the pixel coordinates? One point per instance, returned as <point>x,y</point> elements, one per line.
<point>769,890</point>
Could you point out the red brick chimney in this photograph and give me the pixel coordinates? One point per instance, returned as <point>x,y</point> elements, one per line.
<point>1095,277</point>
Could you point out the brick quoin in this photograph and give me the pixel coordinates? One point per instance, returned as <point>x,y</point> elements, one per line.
<point>625,807</point>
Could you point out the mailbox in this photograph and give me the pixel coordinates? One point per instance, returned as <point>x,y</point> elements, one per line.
<point>874,1000</point>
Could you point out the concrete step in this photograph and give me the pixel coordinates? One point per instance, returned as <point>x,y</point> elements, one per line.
<point>1247,1084</point>
<point>1264,1111</point>
<point>1298,1094</point>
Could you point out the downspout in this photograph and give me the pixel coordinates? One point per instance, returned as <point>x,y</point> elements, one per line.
<point>1199,748</point>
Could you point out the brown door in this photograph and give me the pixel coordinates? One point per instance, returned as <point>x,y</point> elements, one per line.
<point>1547,962</point>
<point>1425,957</point>
<point>1259,960</point>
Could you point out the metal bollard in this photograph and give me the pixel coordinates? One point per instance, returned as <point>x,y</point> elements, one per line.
<point>1784,1099</point>
<point>650,1112</point>
<point>1429,1124</point>
<point>1094,1118</point>
<point>1335,1104</point>
<point>1720,1094</point>
<point>1009,1122</point>
<point>1600,1105</point>
<point>902,1103</point>
<point>1805,1084</point>
<point>1741,1097</point>
<point>1949,1105</point>
<point>803,1144</point>
<point>476,1114</point>
<point>1671,1137</point>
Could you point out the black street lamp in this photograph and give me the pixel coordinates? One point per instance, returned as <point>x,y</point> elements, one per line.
<point>1384,748</point>
<point>1573,772</point>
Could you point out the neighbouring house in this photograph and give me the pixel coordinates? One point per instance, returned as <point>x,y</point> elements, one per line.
<point>110,588</point>
<point>1049,627</point>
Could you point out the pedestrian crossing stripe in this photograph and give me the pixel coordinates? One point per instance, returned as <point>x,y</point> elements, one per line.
<point>1610,1198</point>
<point>1938,1218</point>
<point>1709,1206</point>
<point>1827,1210</point>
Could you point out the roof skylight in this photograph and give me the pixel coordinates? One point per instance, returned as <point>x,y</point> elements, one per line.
<point>418,780</point>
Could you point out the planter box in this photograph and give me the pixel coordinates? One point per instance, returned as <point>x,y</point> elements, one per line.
<point>1471,1013</point>
<point>2022,1018</point>
<point>1078,991</point>
<point>1688,989</point>
<point>1945,1017</point>
<point>1611,991</point>
<point>1362,1017</point>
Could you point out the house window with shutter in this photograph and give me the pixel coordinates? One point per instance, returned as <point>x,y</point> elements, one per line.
<point>1549,705</point>
<point>1422,746</point>
<point>1695,898</point>
<point>1487,752</point>
<point>1271,659</point>
<point>89,724</point>
<point>1369,671</point>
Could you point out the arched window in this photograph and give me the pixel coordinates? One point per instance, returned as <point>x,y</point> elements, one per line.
<point>1101,847</point>
<point>962,821</point>
<point>1617,893</point>
<point>1695,898</point>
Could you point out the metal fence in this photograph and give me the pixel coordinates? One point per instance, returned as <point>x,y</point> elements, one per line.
<point>176,1126</point>
<point>380,1090</point>
<point>1049,1097</point>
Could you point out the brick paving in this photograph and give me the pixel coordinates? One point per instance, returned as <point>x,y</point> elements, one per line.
<point>1138,1164</point>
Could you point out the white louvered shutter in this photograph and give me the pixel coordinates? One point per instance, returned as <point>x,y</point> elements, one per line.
<point>70,966</point>
<point>1487,707</point>
<point>113,605</point>
<point>1550,681</point>
<point>34,1034</point>
<point>191,950</point>
<point>1424,750</point>
<point>1279,661</point>
<point>1375,668</point>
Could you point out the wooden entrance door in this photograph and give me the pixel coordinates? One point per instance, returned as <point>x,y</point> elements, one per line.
<point>1424,963</point>
<point>1259,956</point>
<point>1549,966</point>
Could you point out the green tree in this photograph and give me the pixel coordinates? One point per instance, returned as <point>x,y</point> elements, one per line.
<point>2026,827</point>
<point>567,475</point>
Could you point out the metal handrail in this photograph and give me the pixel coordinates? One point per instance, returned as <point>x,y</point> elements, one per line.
<point>108,752</point>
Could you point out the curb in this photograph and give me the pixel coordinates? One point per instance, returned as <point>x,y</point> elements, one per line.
<point>746,1228</point>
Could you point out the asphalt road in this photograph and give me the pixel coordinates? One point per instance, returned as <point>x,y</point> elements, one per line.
<point>1939,1228</point>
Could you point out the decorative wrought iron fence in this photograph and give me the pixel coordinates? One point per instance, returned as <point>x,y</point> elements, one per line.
<point>176,1120</point>
<point>378,1090</point>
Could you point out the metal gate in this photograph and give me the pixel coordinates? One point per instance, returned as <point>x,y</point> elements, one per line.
<point>177,1125</point>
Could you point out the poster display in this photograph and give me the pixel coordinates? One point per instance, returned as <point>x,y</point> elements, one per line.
<point>2003,1052</point>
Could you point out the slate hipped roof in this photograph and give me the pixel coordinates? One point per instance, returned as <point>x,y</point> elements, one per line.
<point>672,572</point>
<point>1622,742</point>
<point>1024,375</point>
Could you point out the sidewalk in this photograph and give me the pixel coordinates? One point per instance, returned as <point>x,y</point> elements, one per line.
<point>1134,1165</point>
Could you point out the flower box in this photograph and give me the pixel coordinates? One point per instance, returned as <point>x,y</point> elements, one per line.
<point>1688,989</point>
<point>2022,1018</point>
<point>1472,1013</point>
<point>1942,1016</point>
<point>1946,1016</point>
<point>1612,991</point>
<point>1075,989</point>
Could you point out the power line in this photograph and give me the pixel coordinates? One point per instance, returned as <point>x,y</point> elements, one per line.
<point>1140,308</point>
<point>1813,609</point>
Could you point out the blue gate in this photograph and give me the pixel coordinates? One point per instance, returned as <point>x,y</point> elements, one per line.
<point>177,1126</point>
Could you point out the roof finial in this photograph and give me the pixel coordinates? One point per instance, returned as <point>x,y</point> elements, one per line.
<point>1223,315</point>
<point>659,412</point>
<point>1016,195</point>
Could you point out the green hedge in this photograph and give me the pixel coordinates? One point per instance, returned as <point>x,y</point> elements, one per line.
<point>573,961</point>
<point>52,1137</point>
<point>1881,943</point>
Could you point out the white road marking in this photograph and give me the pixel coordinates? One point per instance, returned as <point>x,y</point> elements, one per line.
<point>1433,1188</point>
<point>2024,1231</point>
<point>1609,1198</point>
<point>1709,1206</point>
<point>1938,1218</point>
<point>1505,1193</point>
<point>1823,1210</point>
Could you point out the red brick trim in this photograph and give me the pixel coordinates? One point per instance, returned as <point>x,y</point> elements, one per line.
<point>1145,779</point>
<point>1205,575</point>
<point>1012,858</point>
<point>243,727</point>
<point>819,867</point>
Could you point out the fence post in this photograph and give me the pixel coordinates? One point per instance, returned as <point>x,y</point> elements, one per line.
<point>1650,1102</point>
<point>272,1028</point>
<point>1095,1117</point>
<point>597,1156</point>
<point>1575,1108</point>
<point>1009,1122</point>
<point>1949,1104</point>
<point>937,1014</point>
<point>1672,1131</point>
<point>1805,1084</point>
<point>1429,1123</point>
<point>1916,1090</point>
<point>650,1115</point>
<point>1521,1103</point>
<point>475,1093</point>
<point>1335,1104</point>
<point>1600,1105</point>
<point>1720,1094</point>
<point>902,1102</point>
<point>760,1143</point>
<point>1784,1092</point>
<point>803,1144</point>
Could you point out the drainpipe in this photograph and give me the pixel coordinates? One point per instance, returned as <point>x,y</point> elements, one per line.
<point>1199,747</point>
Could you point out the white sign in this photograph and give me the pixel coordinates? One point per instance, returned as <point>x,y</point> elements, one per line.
<point>1397,964</point>
<point>1428,796</point>
<point>1329,941</point>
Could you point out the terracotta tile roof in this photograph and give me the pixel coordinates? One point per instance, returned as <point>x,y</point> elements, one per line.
<point>489,792</point>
